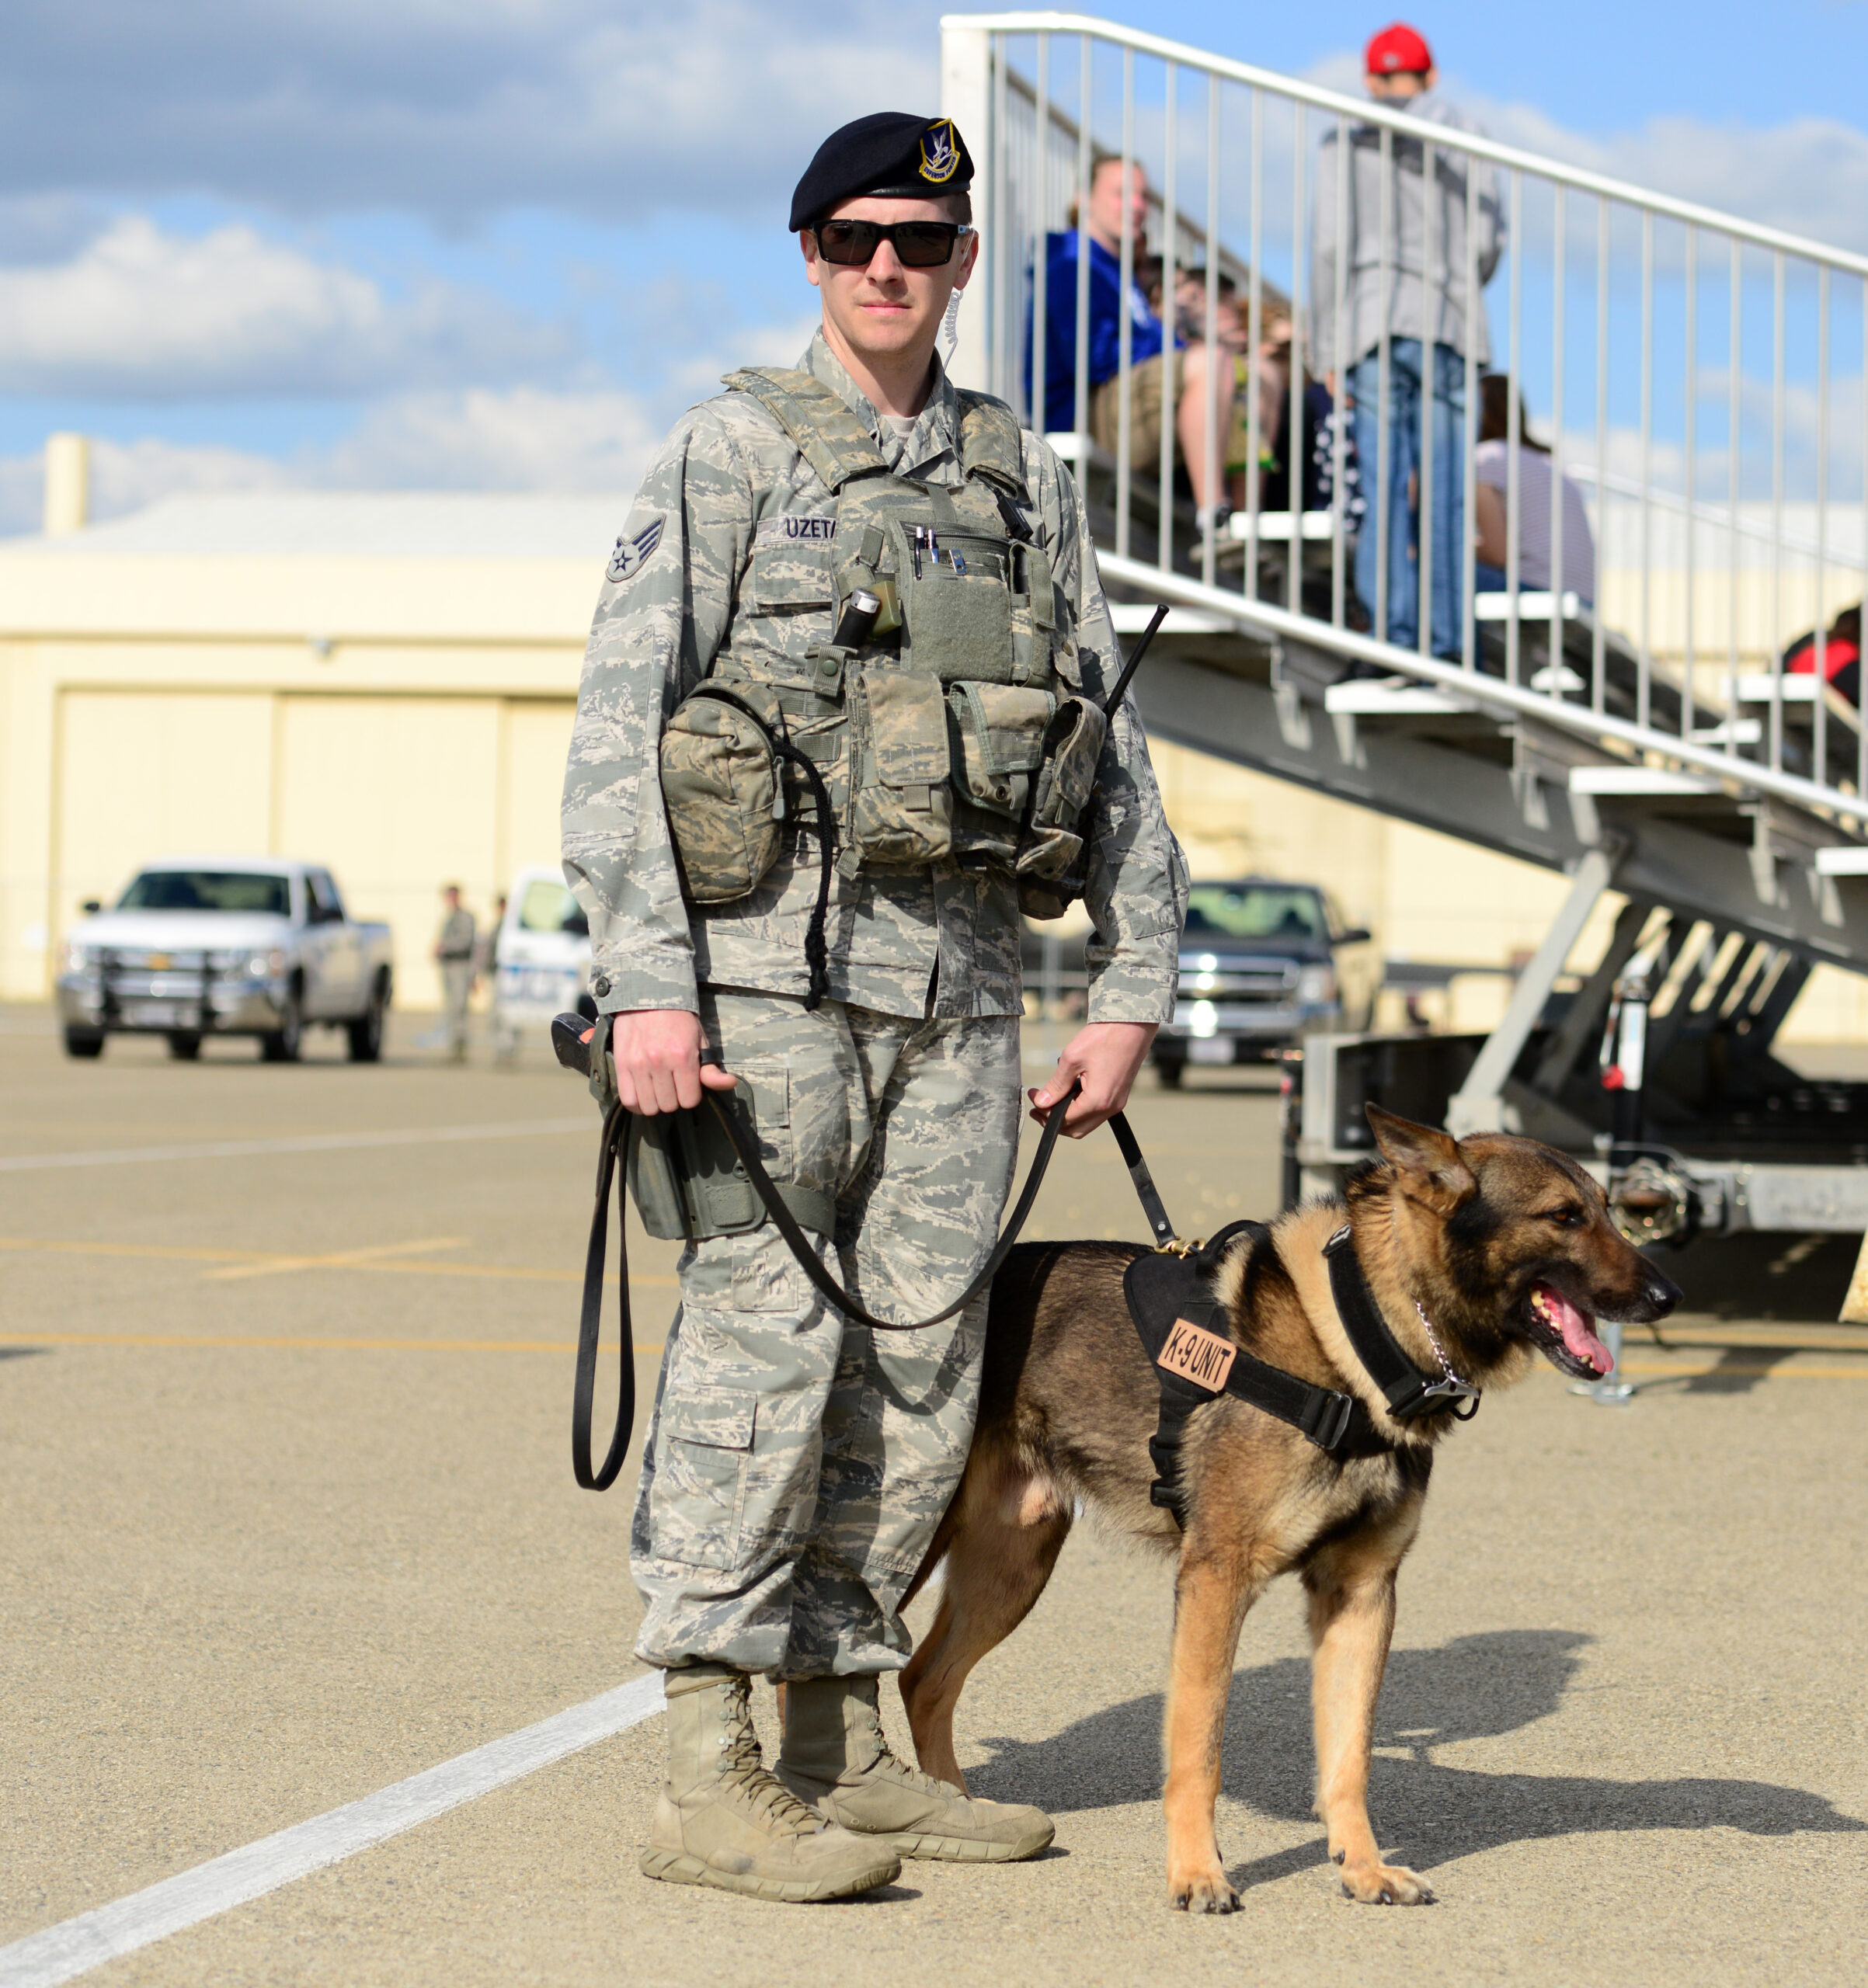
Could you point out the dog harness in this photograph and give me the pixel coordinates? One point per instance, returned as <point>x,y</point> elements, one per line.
<point>1184,1330</point>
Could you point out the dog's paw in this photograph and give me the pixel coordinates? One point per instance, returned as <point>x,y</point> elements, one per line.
<point>1385,1884</point>
<point>1202,1891</point>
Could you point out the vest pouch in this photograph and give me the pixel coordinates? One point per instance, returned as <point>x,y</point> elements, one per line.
<point>1046,855</point>
<point>957,604</point>
<point>999,731</point>
<point>1072,744</point>
<point>1042,897</point>
<point>720,787</point>
<point>902,809</point>
<point>688,1183</point>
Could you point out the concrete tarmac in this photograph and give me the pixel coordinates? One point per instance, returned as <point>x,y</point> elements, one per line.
<point>288,1516</point>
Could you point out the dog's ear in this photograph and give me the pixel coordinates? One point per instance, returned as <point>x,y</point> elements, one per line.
<point>1429,1161</point>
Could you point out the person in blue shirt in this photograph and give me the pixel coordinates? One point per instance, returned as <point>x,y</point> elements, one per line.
<point>1116,209</point>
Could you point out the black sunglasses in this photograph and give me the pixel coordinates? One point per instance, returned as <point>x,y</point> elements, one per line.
<point>918,244</point>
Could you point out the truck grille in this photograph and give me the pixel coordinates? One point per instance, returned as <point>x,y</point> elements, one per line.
<point>1272,980</point>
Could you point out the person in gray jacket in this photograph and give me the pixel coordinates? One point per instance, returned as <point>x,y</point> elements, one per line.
<point>1403,277</point>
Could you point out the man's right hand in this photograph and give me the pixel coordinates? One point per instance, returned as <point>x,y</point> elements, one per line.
<point>657,1061</point>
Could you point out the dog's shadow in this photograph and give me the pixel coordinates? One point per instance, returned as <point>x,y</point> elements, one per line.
<point>1477,1686</point>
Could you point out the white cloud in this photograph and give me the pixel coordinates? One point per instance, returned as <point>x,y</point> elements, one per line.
<point>526,438</point>
<point>698,377</point>
<point>519,438</point>
<point>139,311</point>
<point>128,477</point>
<point>450,109</point>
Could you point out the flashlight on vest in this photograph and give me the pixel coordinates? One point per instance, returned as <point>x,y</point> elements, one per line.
<point>858,623</point>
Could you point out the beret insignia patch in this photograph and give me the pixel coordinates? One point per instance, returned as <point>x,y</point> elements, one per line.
<point>632,554</point>
<point>939,152</point>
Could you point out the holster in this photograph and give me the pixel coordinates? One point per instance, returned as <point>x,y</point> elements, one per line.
<point>687,1180</point>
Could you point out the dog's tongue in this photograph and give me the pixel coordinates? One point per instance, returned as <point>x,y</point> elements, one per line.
<point>1578,1330</point>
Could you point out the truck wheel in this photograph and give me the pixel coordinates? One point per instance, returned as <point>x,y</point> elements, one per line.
<point>365,1030</point>
<point>1170,1070</point>
<point>87,1043</point>
<point>283,1044</point>
<point>184,1047</point>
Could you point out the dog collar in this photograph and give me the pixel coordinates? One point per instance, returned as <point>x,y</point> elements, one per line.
<point>1409,1393</point>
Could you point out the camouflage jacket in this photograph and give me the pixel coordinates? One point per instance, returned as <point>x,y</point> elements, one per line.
<point>727,479</point>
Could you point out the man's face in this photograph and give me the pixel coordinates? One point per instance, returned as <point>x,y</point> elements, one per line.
<point>1118,204</point>
<point>1397,88</point>
<point>884,309</point>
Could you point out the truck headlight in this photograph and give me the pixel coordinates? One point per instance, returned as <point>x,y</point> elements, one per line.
<point>267,966</point>
<point>78,957</point>
<point>1317,986</point>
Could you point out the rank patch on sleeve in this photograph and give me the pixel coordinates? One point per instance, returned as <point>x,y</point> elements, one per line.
<point>632,554</point>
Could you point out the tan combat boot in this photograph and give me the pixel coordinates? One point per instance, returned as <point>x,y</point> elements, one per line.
<point>722,1819</point>
<point>835,1757</point>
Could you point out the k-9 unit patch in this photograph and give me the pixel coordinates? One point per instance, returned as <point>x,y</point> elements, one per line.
<point>1197,1355</point>
<point>632,554</point>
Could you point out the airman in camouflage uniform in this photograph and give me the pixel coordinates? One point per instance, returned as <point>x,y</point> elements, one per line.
<point>797,1464</point>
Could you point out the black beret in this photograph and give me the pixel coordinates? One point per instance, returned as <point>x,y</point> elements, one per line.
<point>890,153</point>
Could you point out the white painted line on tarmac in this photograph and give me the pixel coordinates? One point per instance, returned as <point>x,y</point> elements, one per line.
<point>419,1135</point>
<point>61,1952</point>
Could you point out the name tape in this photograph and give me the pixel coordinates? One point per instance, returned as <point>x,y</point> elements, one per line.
<point>796,528</point>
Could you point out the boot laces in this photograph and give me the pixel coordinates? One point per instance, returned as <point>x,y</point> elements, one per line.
<point>890,1766</point>
<point>742,1768</point>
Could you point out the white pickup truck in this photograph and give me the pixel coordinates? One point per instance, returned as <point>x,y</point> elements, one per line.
<point>225,946</point>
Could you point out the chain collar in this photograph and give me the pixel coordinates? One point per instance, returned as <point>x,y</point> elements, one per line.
<point>1446,1366</point>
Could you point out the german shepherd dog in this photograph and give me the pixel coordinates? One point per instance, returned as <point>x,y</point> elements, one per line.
<point>1506,1245</point>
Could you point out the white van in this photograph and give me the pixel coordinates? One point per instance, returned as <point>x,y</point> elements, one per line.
<point>541,960</point>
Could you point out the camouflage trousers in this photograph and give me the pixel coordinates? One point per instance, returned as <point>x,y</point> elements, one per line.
<point>797,1464</point>
<point>458,991</point>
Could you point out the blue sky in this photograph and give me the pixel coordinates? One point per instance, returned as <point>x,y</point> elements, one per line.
<point>500,243</point>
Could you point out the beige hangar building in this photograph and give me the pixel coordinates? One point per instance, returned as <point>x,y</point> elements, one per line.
<point>385,683</point>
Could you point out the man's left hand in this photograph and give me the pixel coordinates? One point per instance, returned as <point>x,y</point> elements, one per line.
<point>1106,1056</point>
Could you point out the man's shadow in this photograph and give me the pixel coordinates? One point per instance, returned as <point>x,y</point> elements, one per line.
<point>1475,1687</point>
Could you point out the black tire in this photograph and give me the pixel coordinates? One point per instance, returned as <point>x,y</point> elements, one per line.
<point>1170,1070</point>
<point>366,1031</point>
<point>283,1045</point>
<point>87,1044</point>
<point>184,1047</point>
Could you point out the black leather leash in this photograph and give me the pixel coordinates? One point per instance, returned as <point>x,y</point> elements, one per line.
<point>590,1318</point>
<point>568,1033</point>
<point>746,1147</point>
<point>1183,1327</point>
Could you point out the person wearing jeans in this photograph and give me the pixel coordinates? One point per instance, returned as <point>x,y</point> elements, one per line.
<point>1397,508</point>
<point>1403,281</point>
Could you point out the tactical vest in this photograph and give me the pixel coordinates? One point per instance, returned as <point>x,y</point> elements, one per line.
<point>949,734</point>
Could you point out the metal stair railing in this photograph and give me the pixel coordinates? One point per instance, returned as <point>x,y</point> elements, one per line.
<point>1710,356</point>
<point>1486,691</point>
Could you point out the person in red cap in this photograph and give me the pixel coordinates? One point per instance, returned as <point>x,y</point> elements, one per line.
<point>1398,62</point>
<point>1417,327</point>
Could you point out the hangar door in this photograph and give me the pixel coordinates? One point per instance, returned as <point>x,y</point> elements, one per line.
<point>146,774</point>
<point>537,742</point>
<point>398,795</point>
